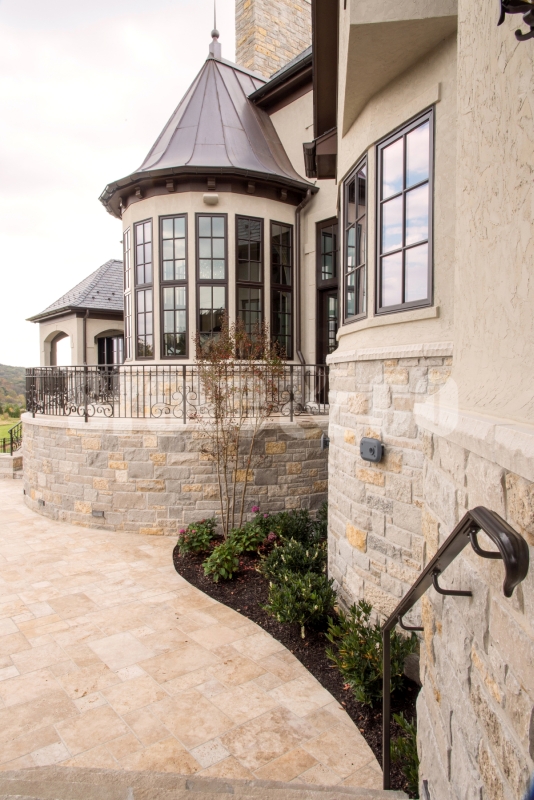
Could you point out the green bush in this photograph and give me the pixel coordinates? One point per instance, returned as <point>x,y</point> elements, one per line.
<point>223,562</point>
<point>321,523</point>
<point>293,556</point>
<point>305,599</point>
<point>358,654</point>
<point>197,537</point>
<point>253,533</point>
<point>404,751</point>
<point>294,525</point>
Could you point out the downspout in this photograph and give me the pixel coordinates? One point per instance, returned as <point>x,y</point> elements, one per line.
<point>84,338</point>
<point>298,292</point>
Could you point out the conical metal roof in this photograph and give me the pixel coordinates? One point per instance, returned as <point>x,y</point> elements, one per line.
<point>217,128</point>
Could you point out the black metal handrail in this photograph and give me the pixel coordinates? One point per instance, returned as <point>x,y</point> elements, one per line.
<point>174,390</point>
<point>511,548</point>
<point>13,442</point>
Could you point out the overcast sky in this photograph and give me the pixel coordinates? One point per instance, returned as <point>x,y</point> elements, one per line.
<point>85,89</point>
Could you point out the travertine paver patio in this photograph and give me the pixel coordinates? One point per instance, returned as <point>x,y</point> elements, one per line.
<point>109,659</point>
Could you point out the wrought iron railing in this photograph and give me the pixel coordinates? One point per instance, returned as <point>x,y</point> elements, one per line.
<point>511,548</point>
<point>13,441</point>
<point>178,391</point>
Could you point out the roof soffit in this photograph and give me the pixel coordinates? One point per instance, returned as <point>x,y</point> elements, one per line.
<point>386,39</point>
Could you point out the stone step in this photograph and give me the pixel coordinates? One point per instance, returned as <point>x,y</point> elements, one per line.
<point>73,783</point>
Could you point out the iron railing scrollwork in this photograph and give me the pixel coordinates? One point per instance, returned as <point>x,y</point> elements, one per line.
<point>176,391</point>
<point>13,441</point>
<point>519,7</point>
<point>512,549</point>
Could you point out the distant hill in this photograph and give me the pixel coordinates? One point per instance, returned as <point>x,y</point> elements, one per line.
<point>12,385</point>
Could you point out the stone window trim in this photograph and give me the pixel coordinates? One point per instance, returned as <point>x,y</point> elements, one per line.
<point>144,293</point>
<point>171,283</point>
<point>402,249</point>
<point>244,287</point>
<point>282,292</point>
<point>127,251</point>
<point>356,272</point>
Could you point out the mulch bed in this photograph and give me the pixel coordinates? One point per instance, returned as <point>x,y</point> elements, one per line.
<point>247,593</point>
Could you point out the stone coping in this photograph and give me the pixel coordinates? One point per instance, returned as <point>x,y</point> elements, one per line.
<point>422,350</point>
<point>110,659</point>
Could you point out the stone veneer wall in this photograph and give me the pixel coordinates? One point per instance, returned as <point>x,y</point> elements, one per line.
<point>151,477</point>
<point>10,466</point>
<point>269,33</point>
<point>386,521</point>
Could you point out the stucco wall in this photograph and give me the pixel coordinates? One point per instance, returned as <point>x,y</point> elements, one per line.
<point>495,196</point>
<point>151,476</point>
<point>73,327</point>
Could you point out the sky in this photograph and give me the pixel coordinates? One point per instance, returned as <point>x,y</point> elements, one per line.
<point>85,89</point>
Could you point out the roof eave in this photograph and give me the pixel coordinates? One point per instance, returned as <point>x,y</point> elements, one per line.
<point>61,312</point>
<point>279,81</point>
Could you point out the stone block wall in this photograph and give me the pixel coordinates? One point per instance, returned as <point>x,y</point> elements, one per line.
<point>376,512</point>
<point>10,466</point>
<point>269,33</point>
<point>151,477</point>
<point>387,520</point>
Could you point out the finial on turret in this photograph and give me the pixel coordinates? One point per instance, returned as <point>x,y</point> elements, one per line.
<point>215,47</point>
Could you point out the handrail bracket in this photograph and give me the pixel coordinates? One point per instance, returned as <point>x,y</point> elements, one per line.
<point>447,592</point>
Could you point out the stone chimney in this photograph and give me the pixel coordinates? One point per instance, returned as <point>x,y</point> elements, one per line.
<point>269,33</point>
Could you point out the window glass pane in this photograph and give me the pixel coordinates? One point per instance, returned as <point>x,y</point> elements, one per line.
<point>204,226</point>
<point>168,298</point>
<point>392,168</point>
<point>180,295</point>
<point>286,276</point>
<point>204,248</point>
<point>417,214</point>
<point>218,248</point>
<point>217,226</point>
<point>416,273</point>
<point>392,280</point>
<point>219,295</point>
<point>218,270</point>
<point>286,237</point>
<point>179,271</point>
<point>168,272</point>
<point>140,254</point>
<point>179,248</point>
<point>255,251</point>
<point>148,299</point>
<point>179,227</point>
<point>360,243</point>
<point>392,225</point>
<point>243,271</point>
<point>167,229</point>
<point>180,320</point>
<point>242,251</point>
<point>205,297</point>
<point>168,249</point>
<point>168,321</point>
<point>362,192</point>
<point>148,273</point>
<point>351,249</point>
<point>418,155</point>
<point>147,232</point>
<point>276,234</point>
<point>351,303</point>
<point>351,203</point>
<point>205,270</point>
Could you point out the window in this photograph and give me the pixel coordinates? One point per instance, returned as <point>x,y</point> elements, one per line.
<point>127,246</point>
<point>328,250</point>
<point>327,319</point>
<point>281,286</point>
<point>145,323</point>
<point>249,238</point>
<point>405,217</point>
<point>211,267</point>
<point>355,241</point>
<point>143,252</point>
<point>173,250</point>
<point>211,309</point>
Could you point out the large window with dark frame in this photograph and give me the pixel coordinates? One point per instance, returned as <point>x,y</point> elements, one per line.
<point>127,248</point>
<point>173,257</point>
<point>327,288</point>
<point>249,268</point>
<point>282,286</point>
<point>355,260</point>
<point>404,268</point>
<point>212,274</point>
<point>144,291</point>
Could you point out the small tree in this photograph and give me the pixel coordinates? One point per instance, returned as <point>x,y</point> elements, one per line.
<point>240,374</point>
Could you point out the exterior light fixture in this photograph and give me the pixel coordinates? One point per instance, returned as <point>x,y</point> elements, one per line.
<point>525,7</point>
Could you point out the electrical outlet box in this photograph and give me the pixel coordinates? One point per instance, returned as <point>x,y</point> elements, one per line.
<point>371,449</point>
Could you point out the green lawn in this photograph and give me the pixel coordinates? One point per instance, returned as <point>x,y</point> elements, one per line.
<point>5,427</point>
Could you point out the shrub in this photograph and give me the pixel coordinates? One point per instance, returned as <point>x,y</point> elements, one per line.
<point>197,537</point>
<point>223,562</point>
<point>293,556</point>
<point>294,525</point>
<point>404,751</point>
<point>321,523</point>
<point>305,599</point>
<point>358,653</point>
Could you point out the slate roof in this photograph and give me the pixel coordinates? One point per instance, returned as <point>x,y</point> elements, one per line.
<point>216,127</point>
<point>100,291</point>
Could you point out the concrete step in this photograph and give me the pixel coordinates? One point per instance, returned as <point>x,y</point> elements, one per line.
<point>73,783</point>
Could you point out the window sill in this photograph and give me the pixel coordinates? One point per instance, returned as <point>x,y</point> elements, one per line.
<point>396,318</point>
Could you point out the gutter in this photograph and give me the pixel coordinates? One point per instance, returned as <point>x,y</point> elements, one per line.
<point>298,292</point>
